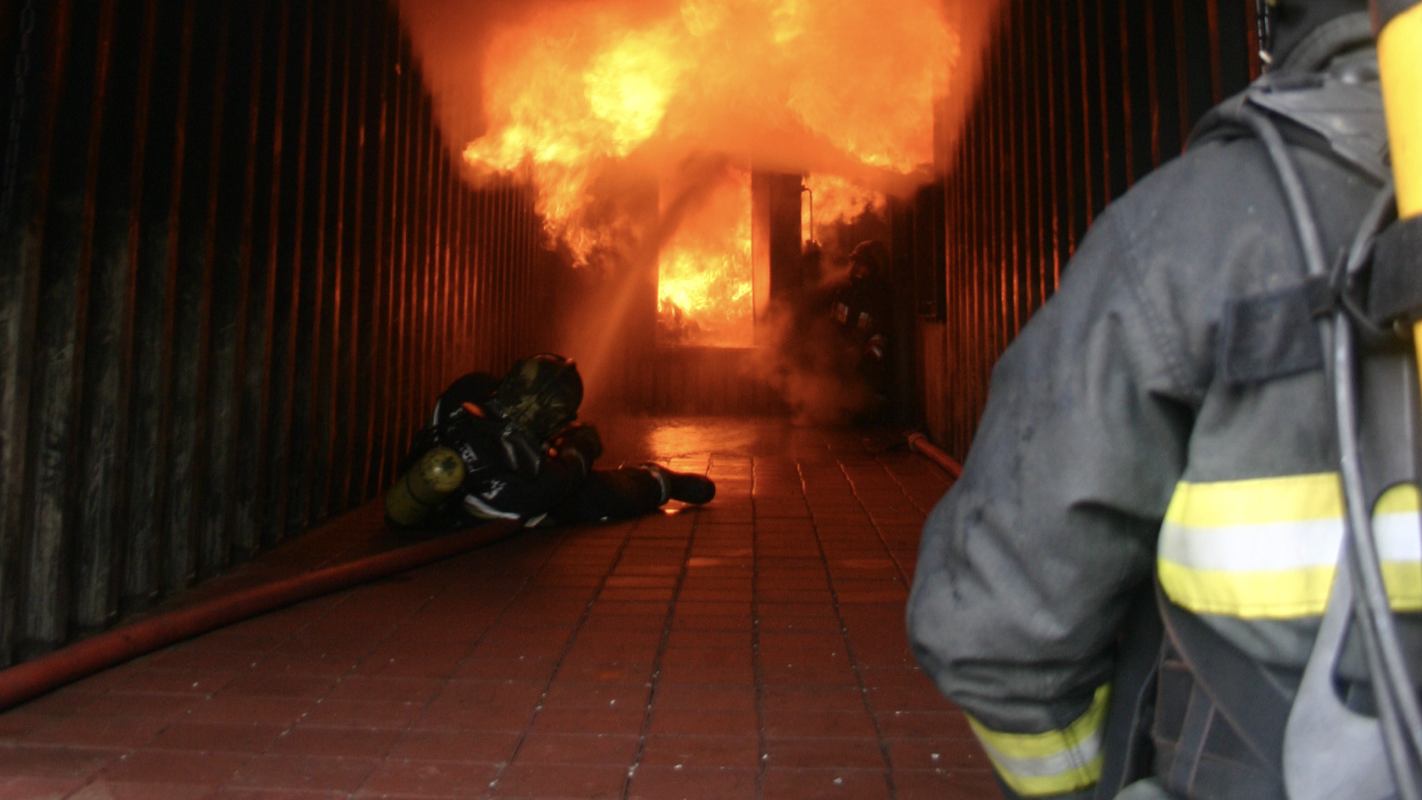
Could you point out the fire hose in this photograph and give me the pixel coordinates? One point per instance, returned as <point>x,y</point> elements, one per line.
<point>921,444</point>
<point>86,657</point>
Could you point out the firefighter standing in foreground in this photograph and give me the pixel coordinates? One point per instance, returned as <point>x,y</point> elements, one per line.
<point>1163,431</point>
<point>512,449</point>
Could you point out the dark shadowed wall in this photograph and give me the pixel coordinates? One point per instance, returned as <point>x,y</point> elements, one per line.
<point>1078,100</point>
<point>236,264</point>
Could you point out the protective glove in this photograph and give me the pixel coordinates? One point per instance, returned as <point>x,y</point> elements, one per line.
<point>579,441</point>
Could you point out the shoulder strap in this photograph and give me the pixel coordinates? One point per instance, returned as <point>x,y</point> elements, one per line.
<point>1338,113</point>
<point>1126,737</point>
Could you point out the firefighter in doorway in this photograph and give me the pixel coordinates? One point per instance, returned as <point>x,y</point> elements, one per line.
<point>1139,584</point>
<point>512,449</point>
<point>859,310</point>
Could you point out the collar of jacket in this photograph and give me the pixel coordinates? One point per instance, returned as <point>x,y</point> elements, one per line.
<point>1328,41</point>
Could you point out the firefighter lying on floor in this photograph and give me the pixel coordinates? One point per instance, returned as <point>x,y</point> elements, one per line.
<point>511,449</point>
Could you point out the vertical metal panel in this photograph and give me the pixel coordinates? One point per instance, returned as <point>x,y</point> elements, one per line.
<point>351,401</point>
<point>390,351</point>
<point>234,222</point>
<point>372,356</point>
<point>325,373</point>
<point>210,284</point>
<point>312,277</point>
<point>192,287</point>
<point>59,350</point>
<point>420,388</point>
<point>290,244</point>
<point>162,192</point>
<point>1078,101</point>
<point>255,263</point>
<point>108,370</point>
<point>41,46</point>
<point>258,400</point>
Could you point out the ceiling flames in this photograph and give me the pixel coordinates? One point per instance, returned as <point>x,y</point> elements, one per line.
<point>829,199</point>
<point>590,99</point>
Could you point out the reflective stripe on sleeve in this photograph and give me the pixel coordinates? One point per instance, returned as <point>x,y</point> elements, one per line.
<point>1054,762</point>
<point>1268,548</point>
<point>483,510</point>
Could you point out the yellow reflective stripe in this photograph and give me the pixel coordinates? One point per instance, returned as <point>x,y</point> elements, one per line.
<point>1052,762</point>
<point>1268,549</point>
<point>1290,594</point>
<point>1399,500</point>
<point>1256,501</point>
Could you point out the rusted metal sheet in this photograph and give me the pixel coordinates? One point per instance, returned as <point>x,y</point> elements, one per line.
<point>237,264</point>
<point>1079,100</point>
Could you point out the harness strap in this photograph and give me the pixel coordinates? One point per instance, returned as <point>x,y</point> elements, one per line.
<point>1127,740</point>
<point>1396,288</point>
<point>1244,693</point>
<point>1268,336</point>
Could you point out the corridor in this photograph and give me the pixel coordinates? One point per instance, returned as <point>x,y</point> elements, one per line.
<point>752,648</point>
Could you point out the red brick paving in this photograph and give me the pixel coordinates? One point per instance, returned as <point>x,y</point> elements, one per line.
<point>753,648</point>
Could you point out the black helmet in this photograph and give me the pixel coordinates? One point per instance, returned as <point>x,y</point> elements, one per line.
<point>1283,24</point>
<point>540,394</point>
<point>872,256</point>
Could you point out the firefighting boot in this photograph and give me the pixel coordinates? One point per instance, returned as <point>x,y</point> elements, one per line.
<point>688,487</point>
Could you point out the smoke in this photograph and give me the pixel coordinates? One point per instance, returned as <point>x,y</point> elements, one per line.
<point>805,358</point>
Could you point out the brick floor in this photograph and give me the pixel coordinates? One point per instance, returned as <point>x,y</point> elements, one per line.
<point>751,648</point>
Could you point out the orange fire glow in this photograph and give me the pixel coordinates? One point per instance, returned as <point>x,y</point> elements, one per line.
<point>704,291</point>
<point>831,199</point>
<point>585,98</point>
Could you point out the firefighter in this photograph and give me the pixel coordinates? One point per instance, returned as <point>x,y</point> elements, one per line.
<point>859,310</point>
<point>1160,446</point>
<point>512,449</point>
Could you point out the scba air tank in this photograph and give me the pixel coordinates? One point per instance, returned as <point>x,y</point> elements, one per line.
<point>424,487</point>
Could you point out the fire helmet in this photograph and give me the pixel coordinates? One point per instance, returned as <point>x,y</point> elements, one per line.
<point>540,394</point>
<point>869,259</point>
<point>1283,24</point>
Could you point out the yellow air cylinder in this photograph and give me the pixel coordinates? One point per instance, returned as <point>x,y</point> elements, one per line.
<point>424,486</point>
<point>1400,61</point>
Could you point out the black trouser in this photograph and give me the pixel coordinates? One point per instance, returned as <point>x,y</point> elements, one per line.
<point>612,494</point>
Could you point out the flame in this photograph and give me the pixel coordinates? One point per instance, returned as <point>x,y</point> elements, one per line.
<point>704,287</point>
<point>834,87</point>
<point>831,200</point>
<point>592,100</point>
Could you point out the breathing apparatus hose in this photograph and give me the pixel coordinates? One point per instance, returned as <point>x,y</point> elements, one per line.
<point>1400,64</point>
<point>1399,717</point>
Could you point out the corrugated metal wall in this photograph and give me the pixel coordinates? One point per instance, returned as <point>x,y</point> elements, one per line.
<point>1078,99</point>
<point>236,264</point>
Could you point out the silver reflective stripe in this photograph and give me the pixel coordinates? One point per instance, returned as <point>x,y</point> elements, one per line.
<point>1268,548</point>
<point>1283,545</point>
<point>479,508</point>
